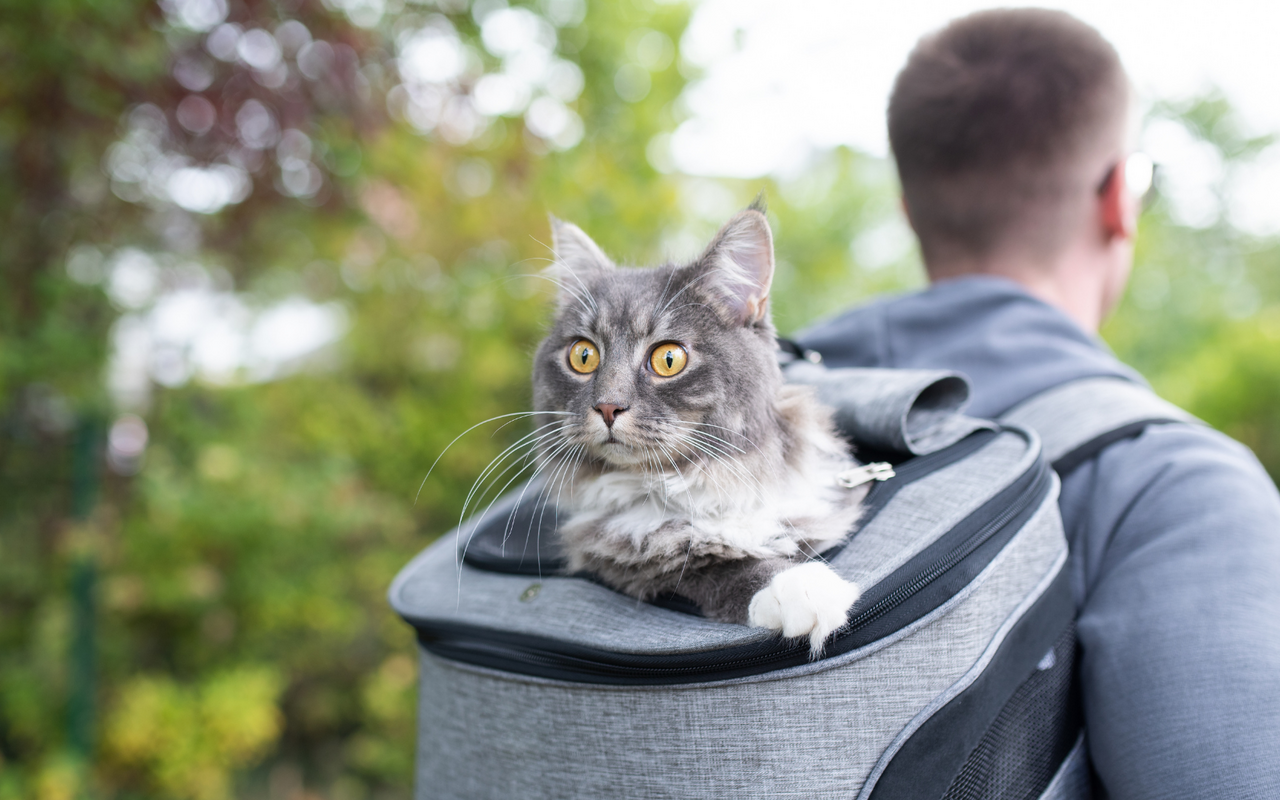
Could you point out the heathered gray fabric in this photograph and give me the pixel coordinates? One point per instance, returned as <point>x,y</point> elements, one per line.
<point>1072,780</point>
<point>903,411</point>
<point>975,671</point>
<point>810,732</point>
<point>1175,547</point>
<point>925,509</point>
<point>435,586</point>
<point>579,611</point>
<point>1076,412</point>
<point>1046,538</point>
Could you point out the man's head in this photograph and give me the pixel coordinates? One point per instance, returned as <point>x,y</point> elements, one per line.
<point>1007,126</point>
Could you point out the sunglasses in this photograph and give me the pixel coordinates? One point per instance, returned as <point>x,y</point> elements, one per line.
<point>1139,177</point>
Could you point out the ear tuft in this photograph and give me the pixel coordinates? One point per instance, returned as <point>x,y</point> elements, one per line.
<point>574,250</point>
<point>738,267</point>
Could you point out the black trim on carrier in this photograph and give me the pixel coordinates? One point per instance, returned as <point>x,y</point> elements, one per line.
<point>1007,733</point>
<point>1068,462</point>
<point>924,583</point>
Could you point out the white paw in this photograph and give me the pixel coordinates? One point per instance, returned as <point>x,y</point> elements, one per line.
<point>805,599</point>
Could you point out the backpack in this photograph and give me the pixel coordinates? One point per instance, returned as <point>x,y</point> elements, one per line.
<point>954,677</point>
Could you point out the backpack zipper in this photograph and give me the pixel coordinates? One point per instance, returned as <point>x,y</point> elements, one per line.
<point>908,594</point>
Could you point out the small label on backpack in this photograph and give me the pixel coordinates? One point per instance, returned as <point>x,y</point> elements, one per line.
<point>1048,662</point>
<point>878,471</point>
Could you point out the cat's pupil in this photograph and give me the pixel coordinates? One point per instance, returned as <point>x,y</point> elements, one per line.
<point>670,359</point>
<point>585,355</point>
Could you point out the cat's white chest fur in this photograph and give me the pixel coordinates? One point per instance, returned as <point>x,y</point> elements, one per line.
<point>737,516</point>
<point>747,515</point>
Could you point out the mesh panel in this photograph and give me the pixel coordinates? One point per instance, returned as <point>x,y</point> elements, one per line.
<point>1034,732</point>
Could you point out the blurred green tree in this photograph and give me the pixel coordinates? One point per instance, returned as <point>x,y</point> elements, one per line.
<point>1199,317</point>
<point>393,164</point>
<point>390,165</point>
<point>122,128</point>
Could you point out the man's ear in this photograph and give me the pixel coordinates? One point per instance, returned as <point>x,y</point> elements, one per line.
<point>574,250</point>
<point>1117,206</point>
<point>736,270</point>
<point>906,210</point>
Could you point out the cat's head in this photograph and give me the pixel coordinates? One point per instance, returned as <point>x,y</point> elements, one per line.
<point>645,369</point>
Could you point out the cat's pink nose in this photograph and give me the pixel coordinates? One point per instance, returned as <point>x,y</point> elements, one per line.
<point>609,411</point>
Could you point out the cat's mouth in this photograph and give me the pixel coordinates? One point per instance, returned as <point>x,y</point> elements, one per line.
<point>617,451</point>
<point>613,445</point>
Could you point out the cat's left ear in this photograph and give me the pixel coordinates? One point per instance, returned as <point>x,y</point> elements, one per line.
<point>738,267</point>
<point>574,250</point>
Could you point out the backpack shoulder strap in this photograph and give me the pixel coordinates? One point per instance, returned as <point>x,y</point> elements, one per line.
<point>1079,419</point>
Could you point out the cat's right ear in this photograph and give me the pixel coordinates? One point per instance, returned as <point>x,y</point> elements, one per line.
<point>738,267</point>
<point>574,250</point>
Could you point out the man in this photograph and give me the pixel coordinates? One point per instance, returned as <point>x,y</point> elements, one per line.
<point>1009,129</point>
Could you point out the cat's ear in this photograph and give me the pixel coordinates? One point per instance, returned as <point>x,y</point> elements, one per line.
<point>574,250</point>
<point>737,268</point>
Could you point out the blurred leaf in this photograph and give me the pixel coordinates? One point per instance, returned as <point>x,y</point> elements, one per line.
<point>244,642</point>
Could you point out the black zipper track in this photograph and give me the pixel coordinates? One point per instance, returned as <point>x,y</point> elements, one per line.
<point>924,583</point>
<point>901,593</point>
<point>909,472</point>
<point>914,468</point>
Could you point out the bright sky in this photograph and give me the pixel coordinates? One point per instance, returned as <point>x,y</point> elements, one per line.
<point>784,77</point>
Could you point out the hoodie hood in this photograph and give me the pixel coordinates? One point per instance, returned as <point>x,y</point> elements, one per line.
<point>1010,345</point>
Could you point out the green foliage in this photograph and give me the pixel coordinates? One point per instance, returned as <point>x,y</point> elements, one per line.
<point>1199,317</point>
<point>243,639</point>
<point>190,738</point>
<point>1232,381</point>
<point>242,644</point>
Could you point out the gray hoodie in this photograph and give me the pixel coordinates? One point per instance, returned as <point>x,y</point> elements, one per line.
<point>1175,546</point>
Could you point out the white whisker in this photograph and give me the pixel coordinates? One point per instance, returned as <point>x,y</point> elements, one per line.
<point>573,473</point>
<point>683,289</point>
<point>687,425</point>
<point>588,302</point>
<point>688,548</point>
<point>710,437</point>
<point>688,305</point>
<point>472,428</point>
<point>480,519</point>
<point>560,466</point>
<point>528,439</point>
<point>534,438</point>
<point>654,316</point>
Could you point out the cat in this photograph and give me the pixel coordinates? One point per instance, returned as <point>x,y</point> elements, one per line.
<point>690,467</point>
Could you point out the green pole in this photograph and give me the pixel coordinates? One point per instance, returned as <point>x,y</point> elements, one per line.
<point>82,686</point>
<point>80,700</point>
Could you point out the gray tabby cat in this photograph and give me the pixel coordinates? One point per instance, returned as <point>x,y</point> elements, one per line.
<point>690,466</point>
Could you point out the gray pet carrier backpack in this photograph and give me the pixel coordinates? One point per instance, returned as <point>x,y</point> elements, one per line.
<point>953,678</point>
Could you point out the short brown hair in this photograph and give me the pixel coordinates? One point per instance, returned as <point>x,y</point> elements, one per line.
<point>987,120</point>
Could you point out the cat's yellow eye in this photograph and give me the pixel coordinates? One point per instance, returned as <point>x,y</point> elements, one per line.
<point>668,359</point>
<point>584,356</point>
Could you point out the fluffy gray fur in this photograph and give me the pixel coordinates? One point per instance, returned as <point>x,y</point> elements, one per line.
<point>708,483</point>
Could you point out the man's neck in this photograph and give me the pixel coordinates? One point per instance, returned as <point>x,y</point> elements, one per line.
<point>1073,288</point>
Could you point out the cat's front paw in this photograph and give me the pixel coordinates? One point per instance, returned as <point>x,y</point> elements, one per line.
<point>807,599</point>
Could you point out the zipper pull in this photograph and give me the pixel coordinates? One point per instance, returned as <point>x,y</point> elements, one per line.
<point>878,471</point>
